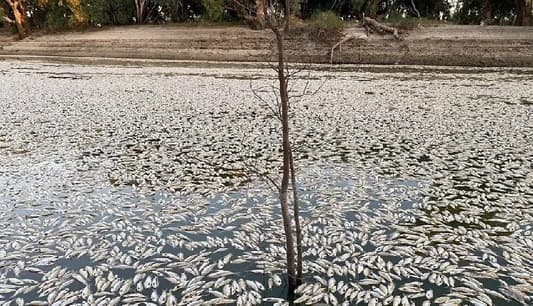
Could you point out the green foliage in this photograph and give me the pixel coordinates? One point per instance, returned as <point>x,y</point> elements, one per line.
<point>408,22</point>
<point>357,4</point>
<point>325,26</point>
<point>322,14</point>
<point>328,21</point>
<point>356,8</point>
<point>214,10</point>
<point>57,16</point>
<point>116,12</point>
<point>428,9</point>
<point>488,11</point>
<point>405,23</point>
<point>173,9</point>
<point>295,7</point>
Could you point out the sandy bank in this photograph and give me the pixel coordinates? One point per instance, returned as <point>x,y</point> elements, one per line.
<point>445,46</point>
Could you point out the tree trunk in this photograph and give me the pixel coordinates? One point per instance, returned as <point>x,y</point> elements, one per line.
<point>284,97</point>
<point>529,13</point>
<point>20,17</point>
<point>76,7</point>
<point>260,12</point>
<point>524,12</point>
<point>304,9</point>
<point>139,10</point>
<point>487,10</point>
<point>279,28</point>
<point>372,8</point>
<point>287,18</point>
<point>415,9</point>
<point>297,227</point>
<point>381,28</point>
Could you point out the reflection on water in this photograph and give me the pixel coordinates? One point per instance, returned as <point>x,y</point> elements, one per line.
<point>133,187</point>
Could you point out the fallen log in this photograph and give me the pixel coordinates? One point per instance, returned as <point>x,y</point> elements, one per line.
<point>370,25</point>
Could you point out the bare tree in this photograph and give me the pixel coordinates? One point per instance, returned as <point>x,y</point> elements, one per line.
<point>276,15</point>
<point>19,12</point>
<point>277,19</point>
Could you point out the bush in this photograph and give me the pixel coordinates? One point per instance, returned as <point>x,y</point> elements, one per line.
<point>327,21</point>
<point>214,10</point>
<point>326,25</point>
<point>410,22</point>
<point>58,16</point>
<point>116,12</point>
<point>78,15</point>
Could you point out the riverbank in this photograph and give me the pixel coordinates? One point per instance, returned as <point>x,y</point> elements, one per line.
<point>449,45</point>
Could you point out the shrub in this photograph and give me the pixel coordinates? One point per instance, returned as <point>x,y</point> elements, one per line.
<point>410,22</point>
<point>327,21</point>
<point>325,25</point>
<point>58,15</point>
<point>78,15</point>
<point>114,12</point>
<point>214,10</point>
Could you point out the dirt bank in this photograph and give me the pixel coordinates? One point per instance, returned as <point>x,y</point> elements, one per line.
<point>445,45</point>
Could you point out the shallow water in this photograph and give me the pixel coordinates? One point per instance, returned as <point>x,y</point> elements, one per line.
<point>416,186</point>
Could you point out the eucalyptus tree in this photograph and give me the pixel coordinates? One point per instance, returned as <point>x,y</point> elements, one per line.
<point>518,12</point>
<point>173,9</point>
<point>140,5</point>
<point>17,9</point>
<point>524,12</point>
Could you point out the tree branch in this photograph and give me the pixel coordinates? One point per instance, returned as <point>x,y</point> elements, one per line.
<point>264,176</point>
<point>8,20</point>
<point>338,45</point>
<point>275,113</point>
<point>417,12</point>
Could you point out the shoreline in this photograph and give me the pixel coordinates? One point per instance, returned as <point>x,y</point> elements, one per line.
<point>454,46</point>
<point>147,63</point>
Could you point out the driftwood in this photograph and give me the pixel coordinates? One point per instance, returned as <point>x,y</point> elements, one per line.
<point>338,45</point>
<point>370,25</point>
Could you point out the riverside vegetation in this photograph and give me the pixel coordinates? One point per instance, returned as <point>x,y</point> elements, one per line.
<point>28,15</point>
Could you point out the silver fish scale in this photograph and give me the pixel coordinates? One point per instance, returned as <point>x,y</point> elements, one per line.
<point>132,185</point>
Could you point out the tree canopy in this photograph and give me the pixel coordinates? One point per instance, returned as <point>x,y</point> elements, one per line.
<point>517,12</point>
<point>56,14</point>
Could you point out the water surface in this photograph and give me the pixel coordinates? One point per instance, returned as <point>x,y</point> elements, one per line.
<point>122,185</point>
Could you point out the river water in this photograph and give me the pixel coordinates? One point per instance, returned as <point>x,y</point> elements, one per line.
<point>127,185</point>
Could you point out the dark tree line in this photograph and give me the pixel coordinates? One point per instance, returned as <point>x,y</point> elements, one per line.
<point>57,14</point>
<point>518,12</point>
